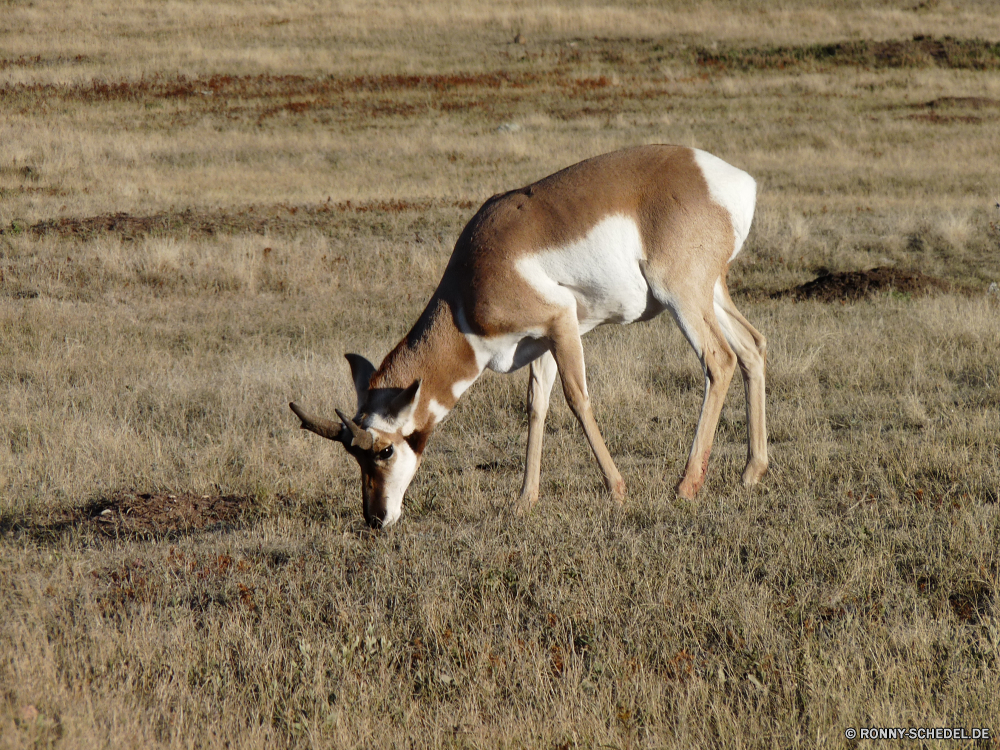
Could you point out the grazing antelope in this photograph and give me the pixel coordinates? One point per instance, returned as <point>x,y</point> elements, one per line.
<point>614,239</point>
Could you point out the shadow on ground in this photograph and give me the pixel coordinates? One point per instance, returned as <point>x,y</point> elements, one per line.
<point>850,286</point>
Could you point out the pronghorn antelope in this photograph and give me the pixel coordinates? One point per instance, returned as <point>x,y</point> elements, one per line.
<point>614,239</point>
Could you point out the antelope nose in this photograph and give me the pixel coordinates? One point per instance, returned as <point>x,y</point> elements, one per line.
<point>376,520</point>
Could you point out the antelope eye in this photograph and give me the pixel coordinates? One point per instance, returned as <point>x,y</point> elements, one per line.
<point>385,454</point>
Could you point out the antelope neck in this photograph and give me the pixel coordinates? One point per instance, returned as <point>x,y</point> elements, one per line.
<point>438,354</point>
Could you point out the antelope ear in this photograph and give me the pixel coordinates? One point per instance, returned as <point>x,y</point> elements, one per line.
<point>361,373</point>
<point>403,405</point>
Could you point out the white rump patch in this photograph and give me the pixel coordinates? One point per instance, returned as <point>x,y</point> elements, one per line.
<point>734,190</point>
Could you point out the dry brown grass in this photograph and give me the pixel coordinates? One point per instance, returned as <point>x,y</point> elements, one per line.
<point>202,206</point>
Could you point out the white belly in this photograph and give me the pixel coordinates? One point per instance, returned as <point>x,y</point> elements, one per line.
<point>600,274</point>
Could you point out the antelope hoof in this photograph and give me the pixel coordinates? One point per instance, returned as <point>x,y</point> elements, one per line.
<point>617,490</point>
<point>524,504</point>
<point>688,488</point>
<point>753,472</point>
<point>694,477</point>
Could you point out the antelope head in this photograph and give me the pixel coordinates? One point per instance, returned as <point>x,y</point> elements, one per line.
<point>382,439</point>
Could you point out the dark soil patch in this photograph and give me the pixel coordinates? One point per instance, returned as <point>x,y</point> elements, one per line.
<point>850,286</point>
<point>918,52</point>
<point>275,219</point>
<point>964,102</point>
<point>138,513</point>
<point>253,220</point>
<point>269,86</point>
<point>947,109</point>
<point>256,100</point>
<point>938,119</point>
<point>971,602</point>
<point>37,61</point>
<point>132,514</point>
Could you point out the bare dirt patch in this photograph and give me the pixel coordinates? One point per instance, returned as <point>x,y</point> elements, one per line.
<point>918,52</point>
<point>939,119</point>
<point>850,286</point>
<point>968,102</point>
<point>273,219</point>
<point>38,61</point>
<point>248,87</point>
<point>259,98</point>
<point>948,109</point>
<point>140,514</point>
<point>971,601</point>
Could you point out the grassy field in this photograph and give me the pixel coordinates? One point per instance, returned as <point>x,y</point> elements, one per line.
<point>203,206</point>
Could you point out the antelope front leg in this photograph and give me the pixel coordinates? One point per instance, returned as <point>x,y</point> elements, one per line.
<point>540,380</point>
<point>568,353</point>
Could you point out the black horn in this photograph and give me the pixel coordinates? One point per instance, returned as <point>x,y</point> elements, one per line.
<point>322,427</point>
